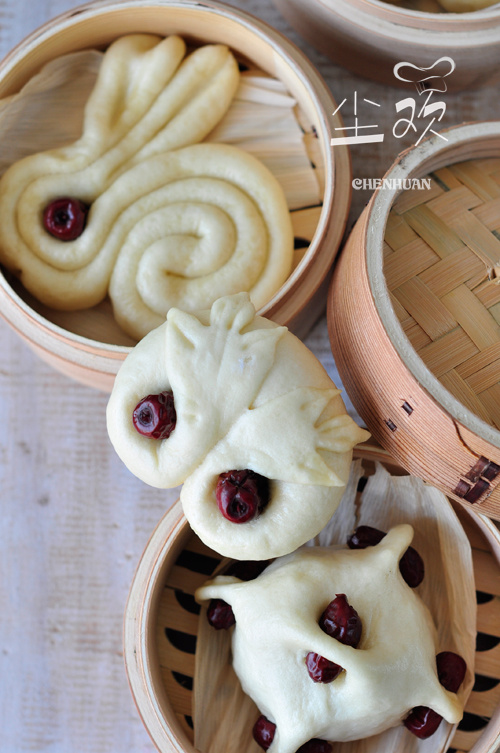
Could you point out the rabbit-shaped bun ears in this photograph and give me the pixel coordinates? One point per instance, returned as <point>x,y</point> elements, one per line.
<point>165,221</point>
<point>248,396</point>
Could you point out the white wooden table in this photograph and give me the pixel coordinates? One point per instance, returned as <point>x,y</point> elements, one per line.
<point>74,521</point>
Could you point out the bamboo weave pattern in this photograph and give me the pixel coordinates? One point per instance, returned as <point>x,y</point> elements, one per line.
<point>442,268</point>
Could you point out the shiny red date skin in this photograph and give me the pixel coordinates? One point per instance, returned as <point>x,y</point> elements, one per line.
<point>411,564</point>
<point>321,669</point>
<point>65,218</point>
<point>340,621</point>
<point>220,614</point>
<point>451,669</point>
<point>154,416</point>
<point>241,495</point>
<point>422,721</point>
<point>263,732</point>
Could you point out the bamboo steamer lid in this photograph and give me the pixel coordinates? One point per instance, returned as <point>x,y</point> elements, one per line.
<point>413,330</point>
<point>64,341</point>
<point>161,627</point>
<point>369,37</point>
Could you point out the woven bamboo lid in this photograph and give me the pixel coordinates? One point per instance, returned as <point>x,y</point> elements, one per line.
<point>413,315</point>
<point>440,264</point>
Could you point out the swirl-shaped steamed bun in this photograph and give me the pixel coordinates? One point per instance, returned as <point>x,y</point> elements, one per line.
<point>171,222</point>
<point>248,395</point>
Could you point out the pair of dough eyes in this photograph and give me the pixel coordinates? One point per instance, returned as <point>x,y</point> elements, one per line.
<point>241,494</point>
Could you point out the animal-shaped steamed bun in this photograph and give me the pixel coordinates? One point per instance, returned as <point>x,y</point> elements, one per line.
<point>333,644</point>
<point>240,412</point>
<point>137,208</point>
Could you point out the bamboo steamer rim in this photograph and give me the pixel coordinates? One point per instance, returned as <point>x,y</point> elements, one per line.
<point>140,657</point>
<point>296,71</point>
<point>417,162</point>
<point>421,27</point>
<point>55,330</point>
<point>165,544</point>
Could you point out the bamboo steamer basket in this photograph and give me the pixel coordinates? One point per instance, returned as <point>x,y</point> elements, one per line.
<point>370,36</point>
<point>95,360</point>
<point>161,625</point>
<point>407,398</point>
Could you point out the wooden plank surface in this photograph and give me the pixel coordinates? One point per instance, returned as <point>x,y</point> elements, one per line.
<point>74,522</point>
